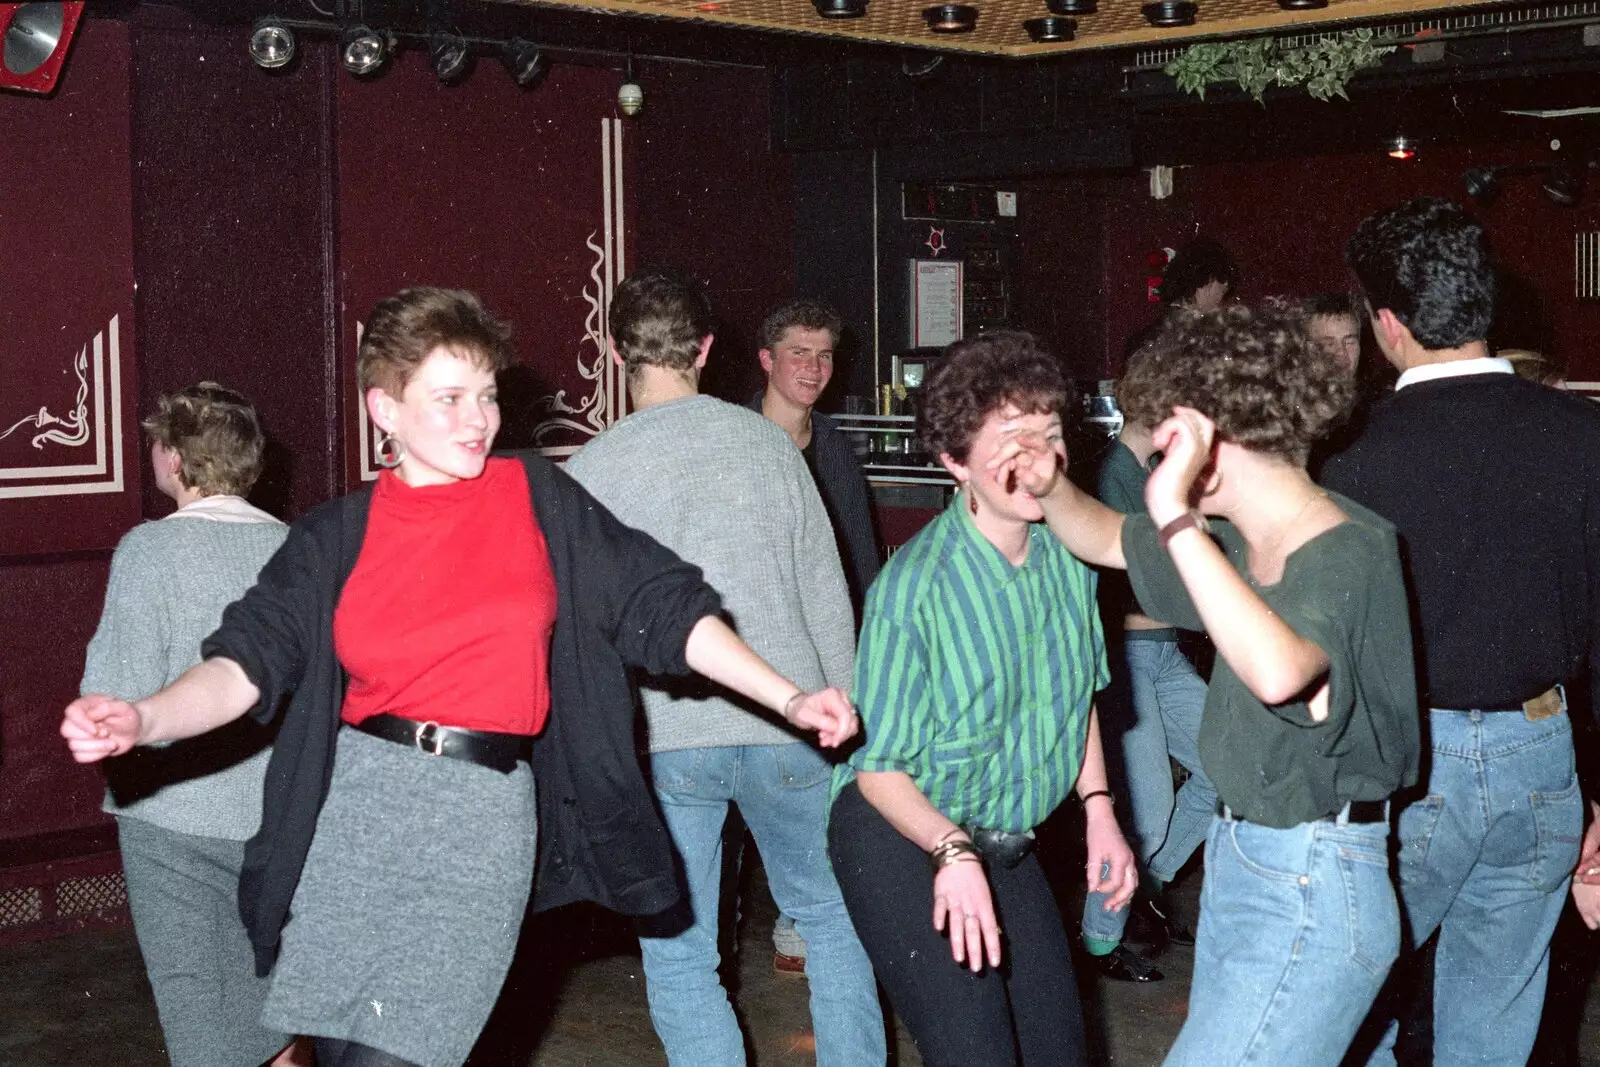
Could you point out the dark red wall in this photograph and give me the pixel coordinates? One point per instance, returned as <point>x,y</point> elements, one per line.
<point>1287,223</point>
<point>716,200</point>
<point>268,211</point>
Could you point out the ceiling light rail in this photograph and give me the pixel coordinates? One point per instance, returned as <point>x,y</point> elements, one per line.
<point>1416,31</point>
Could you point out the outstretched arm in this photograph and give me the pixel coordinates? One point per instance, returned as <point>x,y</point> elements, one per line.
<point>203,698</point>
<point>1089,530</point>
<point>715,651</point>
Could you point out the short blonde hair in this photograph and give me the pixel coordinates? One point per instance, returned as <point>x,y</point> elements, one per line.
<point>1534,366</point>
<point>215,433</point>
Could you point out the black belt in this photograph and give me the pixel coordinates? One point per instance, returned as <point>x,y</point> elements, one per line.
<point>1361,811</point>
<point>497,751</point>
<point>1001,846</point>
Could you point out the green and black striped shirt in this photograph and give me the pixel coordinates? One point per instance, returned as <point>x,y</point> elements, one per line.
<point>976,677</point>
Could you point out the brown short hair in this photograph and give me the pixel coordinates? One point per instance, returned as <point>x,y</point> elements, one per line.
<point>658,317</point>
<point>975,378</point>
<point>805,313</point>
<point>1252,371</point>
<point>1535,366</point>
<point>215,433</point>
<point>406,328</point>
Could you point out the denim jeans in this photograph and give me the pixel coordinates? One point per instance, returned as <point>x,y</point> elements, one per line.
<point>782,793</point>
<point>1485,859</point>
<point>1297,930</point>
<point>1151,713</point>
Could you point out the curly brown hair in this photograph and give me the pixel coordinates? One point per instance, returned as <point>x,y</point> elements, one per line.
<point>216,435</point>
<point>1251,370</point>
<point>975,378</point>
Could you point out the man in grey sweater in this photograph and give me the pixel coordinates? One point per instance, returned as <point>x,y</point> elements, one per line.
<point>727,490</point>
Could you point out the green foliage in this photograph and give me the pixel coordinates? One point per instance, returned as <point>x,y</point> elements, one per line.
<point>1324,66</point>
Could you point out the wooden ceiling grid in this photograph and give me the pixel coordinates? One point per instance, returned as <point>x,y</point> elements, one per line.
<point>1118,23</point>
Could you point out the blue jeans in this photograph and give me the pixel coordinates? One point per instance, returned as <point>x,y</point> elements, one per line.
<point>1153,713</point>
<point>1297,930</point>
<point>782,793</point>
<point>1485,859</point>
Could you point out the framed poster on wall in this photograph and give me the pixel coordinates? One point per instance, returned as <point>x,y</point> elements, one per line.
<point>936,296</point>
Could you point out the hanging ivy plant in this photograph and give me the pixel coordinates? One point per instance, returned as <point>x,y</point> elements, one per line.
<point>1324,66</point>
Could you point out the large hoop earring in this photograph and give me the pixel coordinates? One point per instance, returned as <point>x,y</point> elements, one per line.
<point>390,451</point>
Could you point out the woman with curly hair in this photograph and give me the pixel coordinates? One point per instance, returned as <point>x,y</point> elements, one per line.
<point>1311,719</point>
<point>980,655</point>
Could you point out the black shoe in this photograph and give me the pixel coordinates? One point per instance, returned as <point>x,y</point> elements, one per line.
<point>1124,965</point>
<point>1150,923</point>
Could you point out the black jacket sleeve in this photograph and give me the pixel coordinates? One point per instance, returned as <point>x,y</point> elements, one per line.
<point>644,599</point>
<point>272,631</point>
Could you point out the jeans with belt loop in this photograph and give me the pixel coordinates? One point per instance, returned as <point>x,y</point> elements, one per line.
<point>1485,859</point>
<point>1298,928</point>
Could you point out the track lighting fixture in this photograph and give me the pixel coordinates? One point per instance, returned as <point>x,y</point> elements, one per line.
<point>362,51</point>
<point>524,61</point>
<point>271,44</point>
<point>448,52</point>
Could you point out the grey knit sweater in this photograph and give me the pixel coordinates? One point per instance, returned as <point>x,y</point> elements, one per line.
<point>169,582</point>
<point>727,490</point>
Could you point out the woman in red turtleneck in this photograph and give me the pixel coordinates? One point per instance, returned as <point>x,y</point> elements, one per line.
<point>461,609</point>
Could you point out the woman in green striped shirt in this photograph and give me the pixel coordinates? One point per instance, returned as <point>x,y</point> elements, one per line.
<point>981,651</point>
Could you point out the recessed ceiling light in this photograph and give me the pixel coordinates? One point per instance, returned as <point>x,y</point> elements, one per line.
<point>1167,13</point>
<point>1048,28</point>
<point>840,9</point>
<point>1073,7</point>
<point>1302,5</point>
<point>951,18</point>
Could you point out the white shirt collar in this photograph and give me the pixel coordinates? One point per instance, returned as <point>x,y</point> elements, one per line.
<point>1455,368</point>
<point>222,507</point>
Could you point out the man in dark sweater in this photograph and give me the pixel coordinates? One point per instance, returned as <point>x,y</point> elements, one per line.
<point>1494,485</point>
<point>797,346</point>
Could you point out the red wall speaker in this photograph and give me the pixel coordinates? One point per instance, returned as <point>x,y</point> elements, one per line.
<point>36,38</point>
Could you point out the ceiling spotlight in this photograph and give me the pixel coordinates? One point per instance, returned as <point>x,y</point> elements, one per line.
<point>448,51</point>
<point>526,64</point>
<point>840,9</point>
<point>1050,28</point>
<point>630,97</point>
<point>951,18</point>
<point>1563,184</point>
<point>1401,147</point>
<point>1482,184</point>
<point>1302,5</point>
<point>362,51</point>
<point>271,44</point>
<point>1168,13</point>
<point>1073,7</point>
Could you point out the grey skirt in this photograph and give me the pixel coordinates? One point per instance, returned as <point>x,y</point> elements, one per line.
<point>408,909</point>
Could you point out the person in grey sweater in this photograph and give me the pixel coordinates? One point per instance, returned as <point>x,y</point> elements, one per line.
<point>727,490</point>
<point>184,811</point>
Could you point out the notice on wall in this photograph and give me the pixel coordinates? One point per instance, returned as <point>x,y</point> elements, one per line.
<point>935,302</point>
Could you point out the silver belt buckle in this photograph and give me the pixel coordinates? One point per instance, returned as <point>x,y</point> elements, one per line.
<point>430,734</point>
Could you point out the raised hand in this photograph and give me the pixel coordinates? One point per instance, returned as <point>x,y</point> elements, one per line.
<point>1186,441</point>
<point>961,901</point>
<point>1026,458</point>
<point>828,712</point>
<point>97,726</point>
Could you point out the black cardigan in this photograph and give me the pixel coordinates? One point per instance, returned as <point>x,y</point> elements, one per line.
<point>622,601</point>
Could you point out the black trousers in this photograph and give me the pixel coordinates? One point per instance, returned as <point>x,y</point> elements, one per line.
<point>333,1053</point>
<point>1025,1013</point>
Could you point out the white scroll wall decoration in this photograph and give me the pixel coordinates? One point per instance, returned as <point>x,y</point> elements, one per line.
<point>87,416</point>
<point>608,400</point>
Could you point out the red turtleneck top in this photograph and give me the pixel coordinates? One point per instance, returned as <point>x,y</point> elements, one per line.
<point>447,615</point>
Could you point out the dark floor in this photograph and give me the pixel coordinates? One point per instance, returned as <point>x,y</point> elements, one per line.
<point>577,998</point>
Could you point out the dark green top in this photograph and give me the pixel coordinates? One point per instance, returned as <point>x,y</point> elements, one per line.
<point>976,677</point>
<point>1120,487</point>
<point>1343,590</point>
